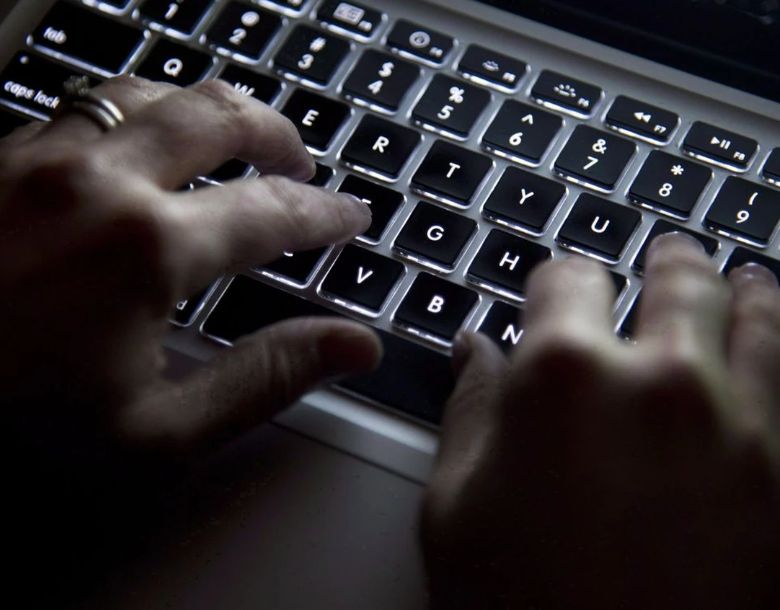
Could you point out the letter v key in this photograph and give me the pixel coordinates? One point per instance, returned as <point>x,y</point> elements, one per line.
<point>363,275</point>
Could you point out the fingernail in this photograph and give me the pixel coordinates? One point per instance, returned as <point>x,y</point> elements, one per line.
<point>674,238</point>
<point>461,351</point>
<point>753,273</point>
<point>349,351</point>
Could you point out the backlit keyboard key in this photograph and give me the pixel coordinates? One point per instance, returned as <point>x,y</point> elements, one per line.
<point>771,169</point>
<point>351,18</point>
<point>600,227</point>
<point>504,324</point>
<point>644,121</point>
<point>490,68</point>
<point>88,37</point>
<point>594,158</point>
<point>420,42</point>
<point>451,174</point>
<point>230,170</point>
<point>10,121</point>
<point>181,16</point>
<point>384,204</point>
<point>521,132</point>
<point>251,83</point>
<point>311,55</point>
<point>380,147</point>
<point>323,175</point>
<point>186,311</point>
<point>286,7</point>
<point>436,236</point>
<point>34,83</point>
<point>742,256</point>
<point>565,93</point>
<point>504,261</point>
<point>381,80</point>
<point>523,200</point>
<point>435,308</point>
<point>719,146</point>
<point>745,210</point>
<point>243,30</point>
<point>317,118</point>
<point>660,228</point>
<point>362,278</point>
<point>669,184</point>
<point>450,106</point>
<point>174,63</point>
<point>295,267</point>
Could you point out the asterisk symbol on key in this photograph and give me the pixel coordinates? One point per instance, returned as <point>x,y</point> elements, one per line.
<point>678,170</point>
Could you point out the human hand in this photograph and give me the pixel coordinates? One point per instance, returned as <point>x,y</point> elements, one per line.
<point>98,245</point>
<point>589,473</point>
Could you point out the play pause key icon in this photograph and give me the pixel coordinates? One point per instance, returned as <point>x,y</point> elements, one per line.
<point>719,146</point>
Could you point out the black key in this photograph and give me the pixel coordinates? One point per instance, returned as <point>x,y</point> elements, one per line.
<point>628,327</point>
<point>669,184</point>
<point>620,282</point>
<point>34,83</point>
<point>362,277</point>
<point>381,80</point>
<point>635,118</point>
<point>411,378</point>
<point>521,132</point>
<point>384,204</point>
<point>771,170</point>
<point>598,226</point>
<point>174,63</point>
<point>117,4</point>
<point>250,83</point>
<point>350,18</point>
<point>242,29</point>
<point>504,324</point>
<point>505,261</point>
<point>231,170</point>
<point>662,227</point>
<point>296,267</point>
<point>746,210</point>
<point>435,307</point>
<point>435,234</point>
<point>317,118</point>
<point>9,121</point>
<point>287,7</point>
<point>88,37</point>
<point>719,146</point>
<point>490,68</point>
<point>594,158</point>
<point>564,93</point>
<point>743,256</point>
<point>380,147</point>
<point>323,176</point>
<point>311,55</point>
<point>185,312</point>
<point>524,200</point>
<point>450,106</point>
<point>451,174</point>
<point>419,42</point>
<point>182,16</point>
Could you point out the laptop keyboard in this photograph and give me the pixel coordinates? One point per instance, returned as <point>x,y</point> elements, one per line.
<point>478,166</point>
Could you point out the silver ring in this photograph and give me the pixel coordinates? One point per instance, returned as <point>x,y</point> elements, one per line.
<point>78,98</point>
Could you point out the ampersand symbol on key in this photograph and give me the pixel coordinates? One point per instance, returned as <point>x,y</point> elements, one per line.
<point>600,147</point>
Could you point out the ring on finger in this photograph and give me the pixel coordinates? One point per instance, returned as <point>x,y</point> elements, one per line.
<point>80,99</point>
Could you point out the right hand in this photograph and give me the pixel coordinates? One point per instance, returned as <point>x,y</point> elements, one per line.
<point>586,473</point>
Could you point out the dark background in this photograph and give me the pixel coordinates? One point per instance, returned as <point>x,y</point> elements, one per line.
<point>736,42</point>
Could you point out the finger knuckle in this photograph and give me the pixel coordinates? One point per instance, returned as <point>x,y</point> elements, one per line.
<point>61,178</point>
<point>231,103</point>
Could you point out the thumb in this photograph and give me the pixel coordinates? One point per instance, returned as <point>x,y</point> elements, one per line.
<point>482,368</point>
<point>247,386</point>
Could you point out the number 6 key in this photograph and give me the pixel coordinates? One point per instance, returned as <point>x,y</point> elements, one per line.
<point>745,210</point>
